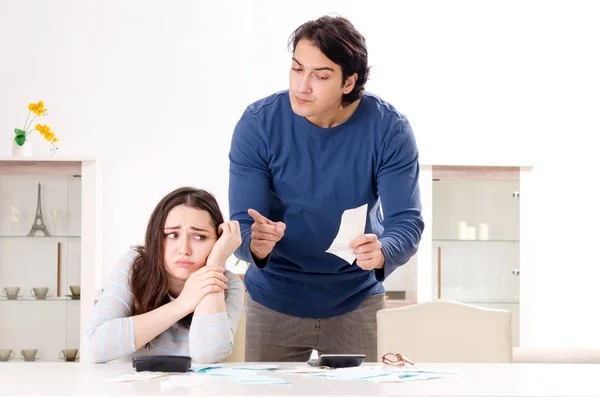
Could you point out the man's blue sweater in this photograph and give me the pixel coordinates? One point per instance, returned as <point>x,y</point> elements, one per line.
<point>291,171</point>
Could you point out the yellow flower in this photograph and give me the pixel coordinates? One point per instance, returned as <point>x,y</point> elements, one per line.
<point>55,140</point>
<point>46,133</point>
<point>37,108</point>
<point>43,129</point>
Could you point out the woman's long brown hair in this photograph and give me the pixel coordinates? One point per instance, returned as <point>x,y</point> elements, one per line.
<point>149,278</point>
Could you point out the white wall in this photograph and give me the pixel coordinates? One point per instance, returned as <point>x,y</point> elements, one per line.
<point>152,89</point>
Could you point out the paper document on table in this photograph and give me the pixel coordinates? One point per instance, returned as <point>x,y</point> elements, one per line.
<point>385,375</point>
<point>243,374</point>
<point>204,368</point>
<point>354,373</point>
<point>302,370</point>
<point>231,372</point>
<point>212,367</point>
<point>405,375</point>
<point>258,380</point>
<point>184,381</point>
<point>352,225</point>
<point>136,376</point>
<point>254,367</point>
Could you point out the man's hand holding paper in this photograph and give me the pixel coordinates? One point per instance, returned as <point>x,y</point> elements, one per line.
<point>367,250</point>
<point>351,243</point>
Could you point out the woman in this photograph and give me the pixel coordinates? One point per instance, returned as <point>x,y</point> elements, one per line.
<point>172,295</point>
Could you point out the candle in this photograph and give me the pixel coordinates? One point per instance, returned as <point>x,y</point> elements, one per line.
<point>483,231</point>
<point>462,230</point>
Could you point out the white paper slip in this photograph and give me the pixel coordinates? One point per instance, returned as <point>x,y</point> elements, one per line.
<point>231,372</point>
<point>255,367</point>
<point>303,370</point>
<point>204,368</point>
<point>184,381</point>
<point>352,225</point>
<point>136,376</point>
<point>259,380</point>
<point>354,374</point>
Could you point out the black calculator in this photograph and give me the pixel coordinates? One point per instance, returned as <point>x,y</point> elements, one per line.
<point>166,363</point>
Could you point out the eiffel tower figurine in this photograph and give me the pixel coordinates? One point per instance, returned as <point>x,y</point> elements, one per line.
<point>38,222</point>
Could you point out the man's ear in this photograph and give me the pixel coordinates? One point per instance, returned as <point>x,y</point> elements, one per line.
<point>350,83</point>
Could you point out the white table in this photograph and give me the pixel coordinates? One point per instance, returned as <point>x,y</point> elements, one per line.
<point>509,380</point>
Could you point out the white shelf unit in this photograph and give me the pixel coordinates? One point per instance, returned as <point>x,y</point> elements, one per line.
<point>70,256</point>
<point>421,277</point>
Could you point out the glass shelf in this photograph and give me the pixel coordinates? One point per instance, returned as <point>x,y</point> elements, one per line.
<point>38,237</point>
<point>19,360</point>
<point>474,241</point>
<point>52,197</point>
<point>32,299</point>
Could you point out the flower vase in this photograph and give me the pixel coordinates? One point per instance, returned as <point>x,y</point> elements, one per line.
<point>22,151</point>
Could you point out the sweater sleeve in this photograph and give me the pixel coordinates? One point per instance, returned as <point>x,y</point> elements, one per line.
<point>398,187</point>
<point>211,336</point>
<point>249,180</point>
<point>110,334</point>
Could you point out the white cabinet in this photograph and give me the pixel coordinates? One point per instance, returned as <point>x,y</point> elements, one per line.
<point>48,241</point>
<point>475,237</point>
<point>486,266</point>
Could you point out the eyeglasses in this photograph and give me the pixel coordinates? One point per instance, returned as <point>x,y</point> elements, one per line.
<point>396,359</point>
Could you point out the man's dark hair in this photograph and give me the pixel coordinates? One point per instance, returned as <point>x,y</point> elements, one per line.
<point>337,38</point>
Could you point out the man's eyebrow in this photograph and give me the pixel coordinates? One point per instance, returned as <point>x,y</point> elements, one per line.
<point>319,68</point>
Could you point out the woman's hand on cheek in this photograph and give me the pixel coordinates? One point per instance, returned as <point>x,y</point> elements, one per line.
<point>202,282</point>
<point>226,245</point>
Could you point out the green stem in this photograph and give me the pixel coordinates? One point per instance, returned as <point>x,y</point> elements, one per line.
<point>26,120</point>
<point>26,128</point>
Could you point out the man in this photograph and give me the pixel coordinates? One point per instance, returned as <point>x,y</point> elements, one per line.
<point>300,158</point>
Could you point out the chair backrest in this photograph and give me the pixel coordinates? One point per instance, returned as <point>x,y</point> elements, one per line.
<point>445,331</point>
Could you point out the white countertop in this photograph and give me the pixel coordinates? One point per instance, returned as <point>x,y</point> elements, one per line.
<point>510,380</point>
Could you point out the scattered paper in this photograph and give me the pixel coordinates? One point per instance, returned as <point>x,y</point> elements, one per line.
<point>233,372</point>
<point>243,374</point>
<point>248,375</point>
<point>250,367</point>
<point>137,376</point>
<point>259,380</point>
<point>375,374</point>
<point>184,381</point>
<point>304,370</point>
<point>354,373</point>
<point>204,368</point>
<point>352,225</point>
<point>256,367</point>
